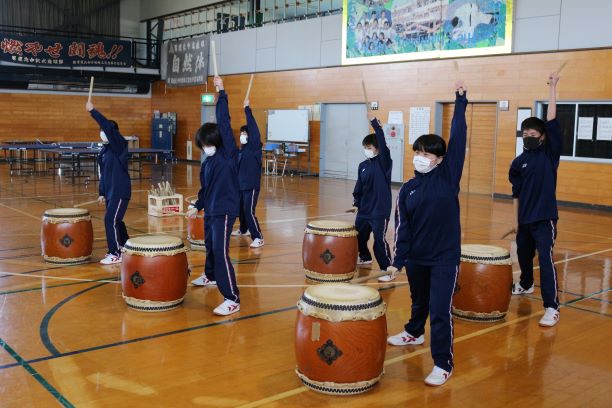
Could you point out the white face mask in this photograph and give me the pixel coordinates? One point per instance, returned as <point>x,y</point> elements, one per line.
<point>103,137</point>
<point>244,138</point>
<point>369,153</point>
<point>210,150</point>
<point>423,164</point>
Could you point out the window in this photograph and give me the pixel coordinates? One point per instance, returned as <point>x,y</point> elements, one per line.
<point>587,130</point>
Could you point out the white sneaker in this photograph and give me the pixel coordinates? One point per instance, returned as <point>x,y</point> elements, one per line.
<point>203,281</point>
<point>227,308</point>
<point>406,339</point>
<point>390,277</point>
<point>257,243</point>
<point>517,289</point>
<point>550,318</point>
<point>362,262</point>
<point>110,259</point>
<point>437,377</point>
<point>237,233</point>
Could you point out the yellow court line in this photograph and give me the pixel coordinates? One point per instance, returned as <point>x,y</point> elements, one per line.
<point>394,360</point>
<point>20,212</point>
<point>56,277</point>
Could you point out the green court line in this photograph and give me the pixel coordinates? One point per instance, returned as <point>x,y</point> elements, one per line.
<point>37,376</point>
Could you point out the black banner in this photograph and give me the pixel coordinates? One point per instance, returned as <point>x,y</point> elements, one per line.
<point>187,61</point>
<point>65,52</point>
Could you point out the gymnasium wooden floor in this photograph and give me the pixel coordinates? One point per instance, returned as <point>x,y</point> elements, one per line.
<point>68,338</point>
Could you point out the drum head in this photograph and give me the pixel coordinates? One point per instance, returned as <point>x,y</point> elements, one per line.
<point>66,212</point>
<point>337,302</point>
<point>331,227</point>
<point>152,245</point>
<point>341,294</point>
<point>487,254</point>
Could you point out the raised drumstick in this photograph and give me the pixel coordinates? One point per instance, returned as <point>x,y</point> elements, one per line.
<point>365,95</point>
<point>456,65</point>
<point>91,82</point>
<point>559,70</point>
<point>214,58</point>
<point>249,88</point>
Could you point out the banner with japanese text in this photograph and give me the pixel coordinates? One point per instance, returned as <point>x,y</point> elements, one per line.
<point>65,52</point>
<point>187,61</point>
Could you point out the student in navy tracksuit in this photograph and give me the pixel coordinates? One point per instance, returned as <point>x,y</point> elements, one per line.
<point>219,198</point>
<point>249,178</point>
<point>372,197</point>
<point>533,175</point>
<point>115,185</point>
<point>428,239</point>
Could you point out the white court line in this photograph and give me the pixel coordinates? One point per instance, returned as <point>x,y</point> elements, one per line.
<point>571,259</point>
<point>272,285</point>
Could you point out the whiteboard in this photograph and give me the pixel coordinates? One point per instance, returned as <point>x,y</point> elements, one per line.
<point>287,125</point>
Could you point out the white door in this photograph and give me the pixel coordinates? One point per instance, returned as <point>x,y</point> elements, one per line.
<point>343,127</point>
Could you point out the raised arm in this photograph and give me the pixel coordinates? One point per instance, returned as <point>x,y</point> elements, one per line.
<point>116,142</point>
<point>553,128</point>
<point>383,150</point>
<point>455,155</point>
<point>254,143</point>
<point>402,230</point>
<point>224,121</point>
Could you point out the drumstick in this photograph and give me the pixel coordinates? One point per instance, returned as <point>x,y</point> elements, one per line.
<point>456,65</point>
<point>214,58</point>
<point>507,233</point>
<point>91,82</point>
<point>86,203</point>
<point>249,88</point>
<point>365,94</point>
<point>559,70</point>
<point>185,214</point>
<point>370,276</point>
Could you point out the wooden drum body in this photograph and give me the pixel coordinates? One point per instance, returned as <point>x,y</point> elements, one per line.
<point>66,236</point>
<point>484,283</point>
<point>154,273</point>
<point>329,251</point>
<point>340,338</point>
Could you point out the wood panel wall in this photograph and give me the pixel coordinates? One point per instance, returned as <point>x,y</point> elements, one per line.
<point>520,79</point>
<point>57,117</point>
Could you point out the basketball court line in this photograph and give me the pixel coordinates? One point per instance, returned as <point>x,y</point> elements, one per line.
<point>299,390</point>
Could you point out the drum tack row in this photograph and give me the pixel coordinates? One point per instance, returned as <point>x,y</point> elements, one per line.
<point>341,328</point>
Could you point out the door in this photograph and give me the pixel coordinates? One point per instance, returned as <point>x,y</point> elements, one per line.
<point>479,168</point>
<point>343,127</point>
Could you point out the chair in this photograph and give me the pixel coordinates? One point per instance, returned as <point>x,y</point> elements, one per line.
<point>271,150</point>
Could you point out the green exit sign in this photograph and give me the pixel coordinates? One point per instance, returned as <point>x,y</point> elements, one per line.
<point>208,99</point>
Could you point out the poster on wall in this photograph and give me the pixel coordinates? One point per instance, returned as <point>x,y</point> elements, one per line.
<point>187,61</point>
<point>401,30</point>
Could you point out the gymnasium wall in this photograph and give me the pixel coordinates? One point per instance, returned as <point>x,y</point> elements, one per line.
<point>520,79</point>
<point>543,25</point>
<point>60,117</point>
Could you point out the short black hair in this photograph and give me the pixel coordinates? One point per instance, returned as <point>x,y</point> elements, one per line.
<point>535,124</point>
<point>244,128</point>
<point>430,143</point>
<point>208,135</point>
<point>370,140</point>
